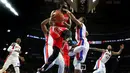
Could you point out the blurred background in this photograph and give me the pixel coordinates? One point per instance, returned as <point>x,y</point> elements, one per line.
<point>107,23</point>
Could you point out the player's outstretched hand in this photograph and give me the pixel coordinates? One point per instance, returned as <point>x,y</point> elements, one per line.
<point>122,46</point>
<point>22,59</point>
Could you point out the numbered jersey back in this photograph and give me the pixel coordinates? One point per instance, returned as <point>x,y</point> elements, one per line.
<point>105,56</point>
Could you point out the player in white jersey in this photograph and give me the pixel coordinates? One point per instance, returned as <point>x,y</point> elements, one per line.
<point>13,57</point>
<point>48,50</point>
<point>106,55</point>
<point>82,46</point>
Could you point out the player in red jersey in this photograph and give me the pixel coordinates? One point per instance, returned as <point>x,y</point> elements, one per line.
<point>59,34</point>
<point>57,44</point>
<point>66,24</point>
<point>48,50</point>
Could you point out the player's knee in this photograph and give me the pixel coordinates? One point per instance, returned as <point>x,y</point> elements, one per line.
<point>77,49</point>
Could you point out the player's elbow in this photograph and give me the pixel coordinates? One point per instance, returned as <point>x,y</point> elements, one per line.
<point>87,33</point>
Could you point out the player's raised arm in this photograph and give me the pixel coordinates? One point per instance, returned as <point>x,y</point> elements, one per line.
<point>43,26</point>
<point>52,17</point>
<point>119,52</point>
<point>46,21</point>
<point>97,49</point>
<point>73,18</point>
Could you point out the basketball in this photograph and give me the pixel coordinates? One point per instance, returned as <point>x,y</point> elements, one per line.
<point>58,16</point>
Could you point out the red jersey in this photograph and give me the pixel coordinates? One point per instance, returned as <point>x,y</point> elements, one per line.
<point>55,32</point>
<point>66,19</point>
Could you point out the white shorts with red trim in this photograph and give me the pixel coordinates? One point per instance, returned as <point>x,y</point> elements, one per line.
<point>11,60</point>
<point>100,67</point>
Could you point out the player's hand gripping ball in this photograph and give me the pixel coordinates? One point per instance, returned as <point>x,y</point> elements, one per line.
<point>58,16</point>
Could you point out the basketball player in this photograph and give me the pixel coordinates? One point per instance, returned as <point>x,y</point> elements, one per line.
<point>13,57</point>
<point>82,46</point>
<point>106,55</point>
<point>59,32</point>
<point>48,50</point>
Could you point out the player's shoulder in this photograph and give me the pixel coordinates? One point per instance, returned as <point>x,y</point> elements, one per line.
<point>13,43</point>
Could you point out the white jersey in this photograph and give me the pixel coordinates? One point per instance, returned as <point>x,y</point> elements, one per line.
<point>105,56</point>
<point>13,48</point>
<point>80,35</point>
